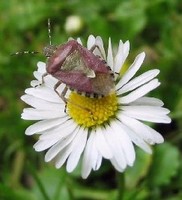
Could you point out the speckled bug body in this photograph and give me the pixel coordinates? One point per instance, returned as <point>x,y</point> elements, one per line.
<point>78,68</point>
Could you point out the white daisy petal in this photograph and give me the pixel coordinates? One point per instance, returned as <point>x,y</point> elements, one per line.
<point>148,101</point>
<point>44,125</point>
<point>59,146</point>
<point>116,165</point>
<point>90,42</point>
<point>38,75</point>
<point>148,134</point>
<point>138,81</point>
<point>45,93</point>
<point>87,158</point>
<point>41,67</point>
<point>50,81</point>
<point>79,41</point>
<point>34,83</point>
<point>56,132</point>
<point>95,156</point>
<point>147,113</point>
<point>102,145</point>
<point>139,92</point>
<point>123,51</point>
<point>96,165</point>
<point>132,70</point>
<point>41,145</point>
<point>125,142</point>
<point>62,156</point>
<point>101,50</point>
<point>138,141</point>
<point>35,114</point>
<point>42,104</point>
<point>115,146</point>
<point>110,60</point>
<point>77,150</point>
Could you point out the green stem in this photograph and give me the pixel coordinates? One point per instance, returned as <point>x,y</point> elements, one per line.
<point>121,185</point>
<point>17,168</point>
<point>38,181</point>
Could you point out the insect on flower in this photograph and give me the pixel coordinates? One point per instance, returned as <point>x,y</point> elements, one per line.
<point>92,129</point>
<point>78,68</point>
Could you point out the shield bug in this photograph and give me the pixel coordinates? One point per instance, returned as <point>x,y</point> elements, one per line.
<point>81,70</point>
<point>78,68</point>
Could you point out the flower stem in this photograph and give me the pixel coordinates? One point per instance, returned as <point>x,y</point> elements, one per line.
<point>121,185</point>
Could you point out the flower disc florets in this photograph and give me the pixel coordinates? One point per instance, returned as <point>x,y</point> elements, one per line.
<point>91,112</point>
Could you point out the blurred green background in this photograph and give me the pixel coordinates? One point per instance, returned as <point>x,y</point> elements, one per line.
<point>151,26</point>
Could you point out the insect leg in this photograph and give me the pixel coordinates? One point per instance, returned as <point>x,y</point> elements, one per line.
<point>96,46</point>
<point>63,93</point>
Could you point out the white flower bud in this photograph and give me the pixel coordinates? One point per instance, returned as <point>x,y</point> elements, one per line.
<point>73,24</point>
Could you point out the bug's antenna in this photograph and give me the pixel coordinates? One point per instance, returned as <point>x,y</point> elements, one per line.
<point>24,52</point>
<point>49,31</point>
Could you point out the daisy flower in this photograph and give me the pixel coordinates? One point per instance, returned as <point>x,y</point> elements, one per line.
<point>96,128</point>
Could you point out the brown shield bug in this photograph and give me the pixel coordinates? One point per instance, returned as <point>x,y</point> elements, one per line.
<point>78,68</point>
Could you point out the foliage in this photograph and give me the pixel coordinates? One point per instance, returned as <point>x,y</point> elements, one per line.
<point>151,26</point>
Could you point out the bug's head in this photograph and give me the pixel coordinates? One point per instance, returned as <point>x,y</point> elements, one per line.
<point>49,50</point>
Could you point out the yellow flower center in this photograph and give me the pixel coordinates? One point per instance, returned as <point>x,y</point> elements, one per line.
<point>90,112</point>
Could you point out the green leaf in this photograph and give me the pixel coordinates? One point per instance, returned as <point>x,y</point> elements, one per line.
<point>55,184</point>
<point>139,170</point>
<point>132,17</point>
<point>165,164</point>
<point>7,193</point>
